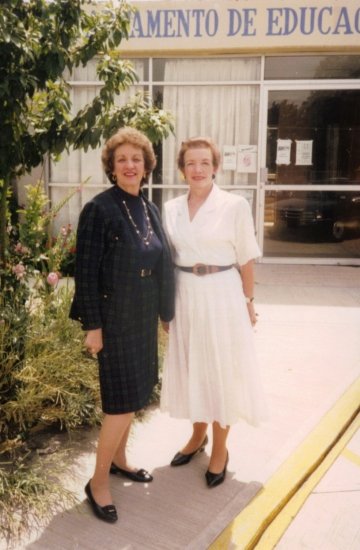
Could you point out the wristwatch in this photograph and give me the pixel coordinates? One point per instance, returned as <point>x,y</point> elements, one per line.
<point>249,300</point>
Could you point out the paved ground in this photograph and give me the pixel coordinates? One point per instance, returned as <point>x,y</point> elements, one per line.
<point>329,517</point>
<point>308,343</point>
<point>324,335</point>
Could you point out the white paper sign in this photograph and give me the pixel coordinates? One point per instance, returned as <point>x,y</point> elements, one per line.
<point>304,151</point>
<point>283,151</point>
<point>229,157</point>
<point>246,159</point>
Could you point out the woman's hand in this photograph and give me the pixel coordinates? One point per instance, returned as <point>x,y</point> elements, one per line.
<point>252,314</point>
<point>165,326</point>
<point>94,341</point>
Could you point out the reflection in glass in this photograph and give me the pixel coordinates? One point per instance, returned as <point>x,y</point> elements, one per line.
<point>312,224</point>
<point>312,66</point>
<point>329,120</point>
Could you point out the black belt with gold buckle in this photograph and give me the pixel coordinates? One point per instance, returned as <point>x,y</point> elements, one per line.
<point>203,269</point>
<point>146,272</point>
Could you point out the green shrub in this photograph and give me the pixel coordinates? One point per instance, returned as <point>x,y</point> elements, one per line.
<point>30,494</point>
<point>55,382</point>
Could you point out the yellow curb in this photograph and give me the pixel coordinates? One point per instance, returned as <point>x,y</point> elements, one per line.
<point>247,528</point>
<point>350,455</point>
<point>279,525</point>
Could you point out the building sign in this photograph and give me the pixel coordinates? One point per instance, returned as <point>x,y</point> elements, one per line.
<point>239,25</point>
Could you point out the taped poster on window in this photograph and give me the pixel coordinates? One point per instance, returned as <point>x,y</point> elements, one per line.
<point>283,151</point>
<point>304,150</point>
<point>246,159</point>
<point>229,157</point>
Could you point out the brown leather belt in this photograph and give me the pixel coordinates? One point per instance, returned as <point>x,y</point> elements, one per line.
<point>203,269</point>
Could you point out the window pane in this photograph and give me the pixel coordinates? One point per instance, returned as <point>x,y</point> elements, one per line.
<point>227,114</point>
<point>322,132</point>
<point>200,70</point>
<point>88,73</point>
<point>318,66</point>
<point>315,224</point>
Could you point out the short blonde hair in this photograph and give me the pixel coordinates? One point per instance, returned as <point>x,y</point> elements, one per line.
<point>198,143</point>
<point>128,135</point>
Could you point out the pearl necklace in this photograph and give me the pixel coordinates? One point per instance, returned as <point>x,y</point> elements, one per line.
<point>149,230</point>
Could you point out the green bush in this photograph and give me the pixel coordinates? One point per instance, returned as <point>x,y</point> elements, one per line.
<point>46,379</point>
<point>29,494</point>
<point>44,376</point>
<point>55,382</point>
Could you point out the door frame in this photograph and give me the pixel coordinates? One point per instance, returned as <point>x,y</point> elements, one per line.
<point>264,186</point>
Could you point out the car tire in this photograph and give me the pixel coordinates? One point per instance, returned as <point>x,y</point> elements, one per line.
<point>338,231</point>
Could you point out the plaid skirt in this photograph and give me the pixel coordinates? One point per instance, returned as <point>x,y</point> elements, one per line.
<point>128,362</point>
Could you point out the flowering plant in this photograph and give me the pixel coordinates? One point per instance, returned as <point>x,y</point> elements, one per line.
<point>46,379</point>
<point>33,255</point>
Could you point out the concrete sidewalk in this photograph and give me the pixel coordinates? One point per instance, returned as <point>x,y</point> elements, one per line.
<point>329,513</point>
<point>308,340</point>
<point>325,337</point>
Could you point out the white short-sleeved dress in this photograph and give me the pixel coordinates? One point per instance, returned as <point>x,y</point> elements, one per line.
<point>210,368</point>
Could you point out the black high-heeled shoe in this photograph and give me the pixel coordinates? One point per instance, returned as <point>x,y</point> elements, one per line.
<point>141,476</point>
<point>180,459</point>
<point>212,479</point>
<point>106,513</point>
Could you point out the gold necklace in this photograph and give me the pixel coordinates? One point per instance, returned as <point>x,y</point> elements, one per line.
<point>149,230</point>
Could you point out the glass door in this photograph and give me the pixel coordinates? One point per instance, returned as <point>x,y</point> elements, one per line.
<point>311,188</point>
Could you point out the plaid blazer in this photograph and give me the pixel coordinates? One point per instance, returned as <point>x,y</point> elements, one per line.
<point>108,263</point>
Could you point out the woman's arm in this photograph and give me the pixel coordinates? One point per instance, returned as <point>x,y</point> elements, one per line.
<point>247,277</point>
<point>89,253</point>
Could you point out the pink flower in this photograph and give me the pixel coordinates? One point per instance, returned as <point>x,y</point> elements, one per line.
<point>19,270</point>
<point>52,278</point>
<point>66,230</point>
<point>21,249</point>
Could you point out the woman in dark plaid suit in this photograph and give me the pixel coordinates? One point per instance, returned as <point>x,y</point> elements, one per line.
<point>123,283</point>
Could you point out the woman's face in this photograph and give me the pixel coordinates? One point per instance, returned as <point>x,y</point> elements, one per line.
<point>129,167</point>
<point>198,167</point>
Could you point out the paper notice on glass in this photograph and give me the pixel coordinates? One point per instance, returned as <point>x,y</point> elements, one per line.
<point>304,151</point>
<point>229,157</point>
<point>283,151</point>
<point>246,159</point>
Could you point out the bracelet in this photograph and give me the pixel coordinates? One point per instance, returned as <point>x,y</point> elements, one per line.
<point>249,300</point>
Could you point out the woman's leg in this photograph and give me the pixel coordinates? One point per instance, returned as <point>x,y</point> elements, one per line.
<point>120,455</point>
<point>113,429</point>
<point>219,450</point>
<point>197,438</point>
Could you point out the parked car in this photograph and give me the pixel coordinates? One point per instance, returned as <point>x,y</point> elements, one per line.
<point>337,212</point>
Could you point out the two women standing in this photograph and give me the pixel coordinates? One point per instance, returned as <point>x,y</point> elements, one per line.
<point>124,282</point>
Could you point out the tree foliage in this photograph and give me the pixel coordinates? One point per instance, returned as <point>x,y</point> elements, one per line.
<point>41,42</point>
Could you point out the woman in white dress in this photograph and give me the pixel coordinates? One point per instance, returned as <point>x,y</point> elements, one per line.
<point>210,371</point>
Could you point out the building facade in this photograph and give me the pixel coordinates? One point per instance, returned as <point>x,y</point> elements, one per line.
<point>276,85</point>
